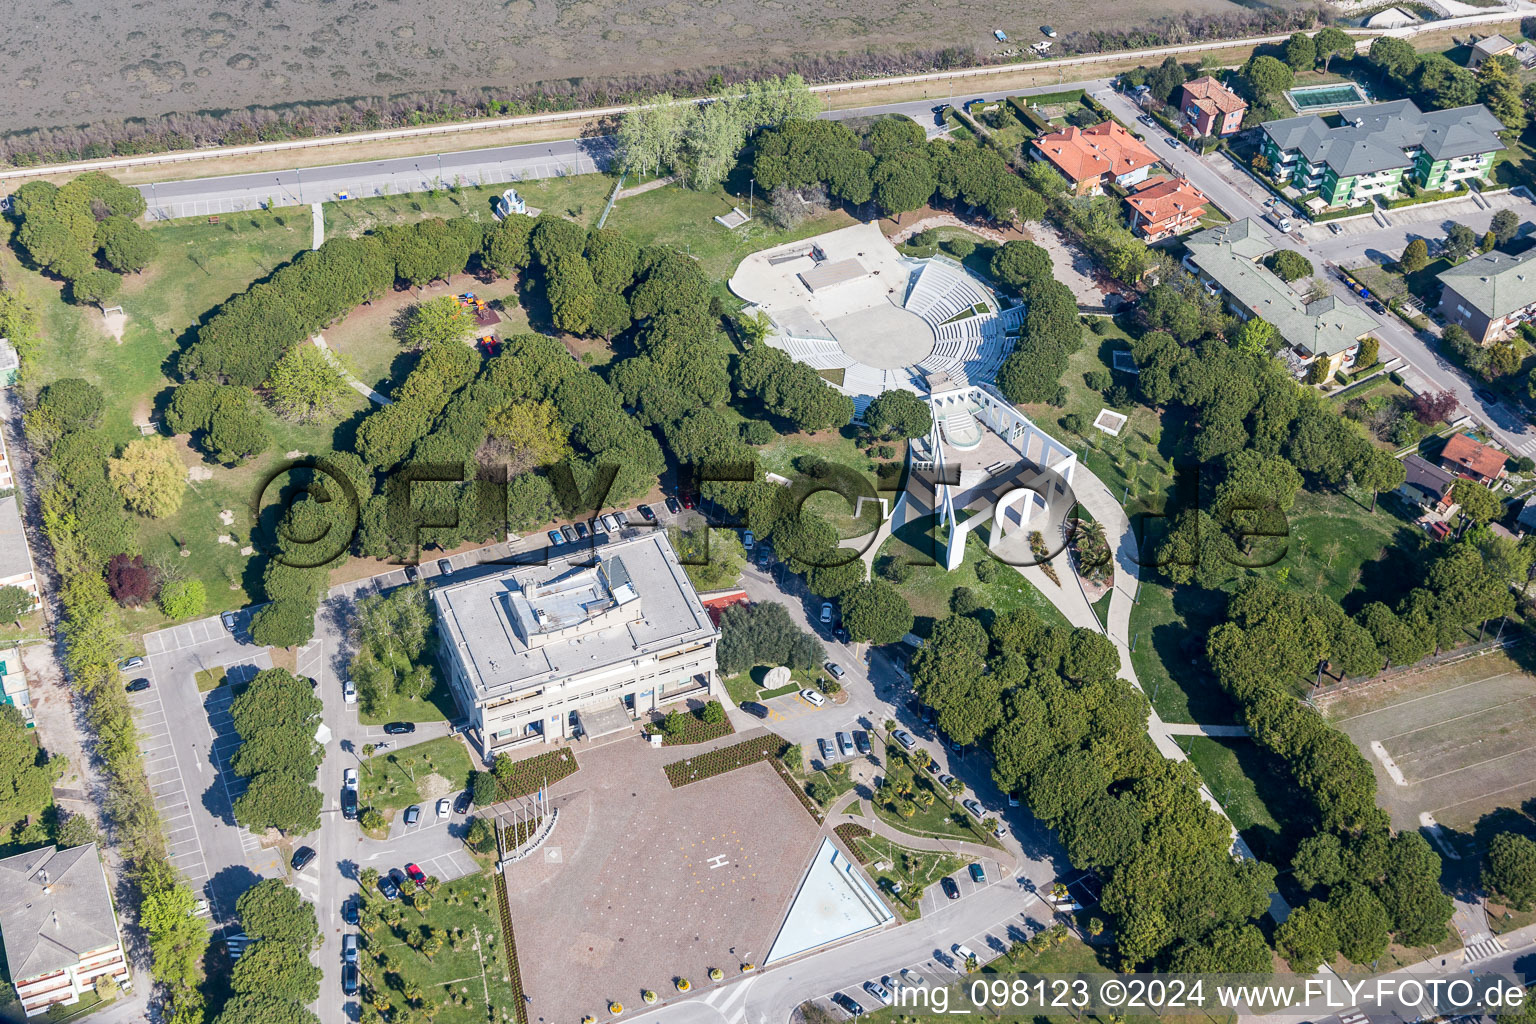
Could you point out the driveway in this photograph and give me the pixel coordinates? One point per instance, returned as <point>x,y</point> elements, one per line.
<point>875,694</point>
<point>1239,196</point>
<point>186,739</point>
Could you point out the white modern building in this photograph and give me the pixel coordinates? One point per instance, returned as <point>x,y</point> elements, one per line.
<point>589,641</point>
<point>59,926</point>
<point>986,462</point>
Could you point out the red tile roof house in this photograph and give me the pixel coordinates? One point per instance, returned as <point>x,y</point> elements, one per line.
<point>1163,206</point>
<point>1210,108</point>
<point>1090,158</point>
<point>1465,457</point>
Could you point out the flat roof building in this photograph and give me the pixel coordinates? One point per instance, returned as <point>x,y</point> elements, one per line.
<point>58,924</point>
<point>16,568</point>
<point>530,649</point>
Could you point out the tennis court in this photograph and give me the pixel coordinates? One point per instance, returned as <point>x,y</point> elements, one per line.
<point>1454,742</point>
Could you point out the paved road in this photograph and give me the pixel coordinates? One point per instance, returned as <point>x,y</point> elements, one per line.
<point>1239,196</point>
<point>204,196</point>
<point>199,197</point>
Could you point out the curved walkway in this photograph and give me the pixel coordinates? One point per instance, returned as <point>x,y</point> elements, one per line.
<point>357,385</point>
<point>1072,603</point>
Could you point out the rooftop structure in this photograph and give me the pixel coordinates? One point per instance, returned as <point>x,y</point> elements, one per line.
<point>1381,144</point>
<point>1092,157</point>
<point>1491,294</point>
<point>1490,46</point>
<point>528,647</point>
<point>1228,255</point>
<point>59,928</point>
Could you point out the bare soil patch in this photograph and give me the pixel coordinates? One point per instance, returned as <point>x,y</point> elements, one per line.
<point>142,60</point>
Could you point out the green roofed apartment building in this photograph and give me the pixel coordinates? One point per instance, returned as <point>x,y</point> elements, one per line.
<point>1226,259</point>
<point>583,644</point>
<point>1379,148</point>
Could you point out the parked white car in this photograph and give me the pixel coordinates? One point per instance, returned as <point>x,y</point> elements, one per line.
<point>349,777</point>
<point>348,691</point>
<point>812,697</point>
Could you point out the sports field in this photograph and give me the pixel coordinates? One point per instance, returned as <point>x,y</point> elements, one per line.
<point>1454,742</point>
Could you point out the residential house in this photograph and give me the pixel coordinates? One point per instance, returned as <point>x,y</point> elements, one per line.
<point>1467,458</point>
<point>1210,108</point>
<point>1490,295</point>
<point>1227,260</point>
<point>1527,517</point>
<point>1162,206</point>
<point>1428,485</point>
<point>16,568</point>
<point>1090,158</point>
<point>59,927</point>
<point>1381,147</point>
<point>1490,46</point>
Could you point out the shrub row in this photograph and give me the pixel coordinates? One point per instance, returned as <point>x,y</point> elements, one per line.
<point>850,834</point>
<point>513,971</point>
<point>527,775</point>
<point>726,759</point>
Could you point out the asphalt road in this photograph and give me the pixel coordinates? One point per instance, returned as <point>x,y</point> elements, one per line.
<point>1239,196</point>
<point>197,197</point>
<point>207,196</point>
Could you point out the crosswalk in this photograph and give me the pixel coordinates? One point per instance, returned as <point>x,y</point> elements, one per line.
<point>1482,949</point>
<point>731,1001</point>
<point>1527,447</point>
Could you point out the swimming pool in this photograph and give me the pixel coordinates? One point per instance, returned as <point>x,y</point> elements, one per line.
<point>1326,97</point>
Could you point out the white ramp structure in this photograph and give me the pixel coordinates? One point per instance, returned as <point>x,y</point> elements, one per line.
<point>871,320</point>
<point>834,902</point>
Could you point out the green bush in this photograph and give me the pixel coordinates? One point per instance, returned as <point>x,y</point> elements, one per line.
<point>987,571</point>
<point>483,789</point>
<point>960,248</point>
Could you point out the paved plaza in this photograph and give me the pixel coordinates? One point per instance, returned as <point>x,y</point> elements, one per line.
<point>641,883</point>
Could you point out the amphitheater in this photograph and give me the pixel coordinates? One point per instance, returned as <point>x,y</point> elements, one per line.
<point>871,320</point>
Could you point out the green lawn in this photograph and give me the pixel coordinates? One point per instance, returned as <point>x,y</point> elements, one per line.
<point>463,983</point>
<point>577,197</point>
<point>209,679</point>
<point>390,780</point>
<point>1168,625</point>
<point>199,266</point>
<point>916,870</point>
<point>748,685</point>
<point>684,218</point>
<point>1257,791</point>
<point>1339,546</point>
<point>931,586</point>
<point>436,706</point>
